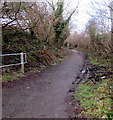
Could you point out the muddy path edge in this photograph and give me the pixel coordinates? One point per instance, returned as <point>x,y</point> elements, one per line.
<point>73,104</point>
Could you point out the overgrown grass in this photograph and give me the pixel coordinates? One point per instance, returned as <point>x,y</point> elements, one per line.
<point>11,77</point>
<point>99,60</point>
<point>96,99</point>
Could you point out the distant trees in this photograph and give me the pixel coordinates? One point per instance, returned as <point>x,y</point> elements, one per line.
<point>99,41</point>
<point>99,28</point>
<point>111,13</point>
<point>91,29</point>
<point>101,13</point>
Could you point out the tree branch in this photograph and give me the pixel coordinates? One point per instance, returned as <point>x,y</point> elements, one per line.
<point>12,18</point>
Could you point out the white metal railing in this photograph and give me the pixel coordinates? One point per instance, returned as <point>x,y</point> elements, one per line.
<point>22,62</point>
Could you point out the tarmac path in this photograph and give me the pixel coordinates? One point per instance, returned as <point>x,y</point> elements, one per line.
<point>42,95</point>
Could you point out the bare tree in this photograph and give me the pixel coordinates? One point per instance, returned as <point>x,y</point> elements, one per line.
<point>13,12</point>
<point>111,12</point>
<point>101,12</point>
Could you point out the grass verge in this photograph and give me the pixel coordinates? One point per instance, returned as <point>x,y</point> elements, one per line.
<point>96,100</point>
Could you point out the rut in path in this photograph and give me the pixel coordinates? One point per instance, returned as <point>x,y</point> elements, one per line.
<point>42,95</point>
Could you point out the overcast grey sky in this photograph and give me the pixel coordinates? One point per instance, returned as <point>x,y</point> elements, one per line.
<point>80,17</point>
<point>79,20</point>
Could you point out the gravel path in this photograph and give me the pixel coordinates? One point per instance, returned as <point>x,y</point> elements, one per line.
<point>43,95</point>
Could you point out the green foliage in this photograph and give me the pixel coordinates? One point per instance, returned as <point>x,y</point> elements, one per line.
<point>59,10</point>
<point>12,76</point>
<point>99,41</point>
<point>61,27</point>
<point>94,99</point>
<point>16,41</point>
<point>92,32</point>
<point>110,115</point>
<point>60,24</point>
<point>99,60</point>
<point>38,52</point>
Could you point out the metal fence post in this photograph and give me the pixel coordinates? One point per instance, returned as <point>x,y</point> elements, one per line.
<point>22,62</point>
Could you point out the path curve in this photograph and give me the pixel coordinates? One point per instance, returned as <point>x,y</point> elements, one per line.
<point>43,95</point>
